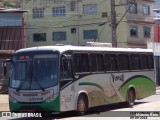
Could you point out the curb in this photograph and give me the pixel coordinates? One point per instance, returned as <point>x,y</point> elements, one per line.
<point>158,88</point>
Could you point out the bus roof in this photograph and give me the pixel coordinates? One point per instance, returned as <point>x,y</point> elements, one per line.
<point>83,48</point>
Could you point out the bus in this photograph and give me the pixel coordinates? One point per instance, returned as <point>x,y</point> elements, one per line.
<point>76,78</point>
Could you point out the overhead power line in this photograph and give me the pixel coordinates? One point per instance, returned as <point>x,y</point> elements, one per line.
<point>114,21</point>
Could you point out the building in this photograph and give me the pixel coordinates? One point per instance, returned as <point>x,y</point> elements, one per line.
<point>12,35</point>
<point>78,21</point>
<point>65,22</point>
<point>12,32</point>
<point>156,45</point>
<point>139,26</point>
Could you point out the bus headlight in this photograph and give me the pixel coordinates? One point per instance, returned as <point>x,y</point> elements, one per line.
<point>50,98</point>
<point>12,99</point>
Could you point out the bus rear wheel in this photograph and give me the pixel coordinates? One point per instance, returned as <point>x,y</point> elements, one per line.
<point>82,105</point>
<point>131,98</point>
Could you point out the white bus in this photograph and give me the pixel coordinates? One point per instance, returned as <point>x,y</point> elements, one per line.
<point>66,78</point>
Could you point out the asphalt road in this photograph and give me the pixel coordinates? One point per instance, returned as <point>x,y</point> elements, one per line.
<point>118,111</point>
<point>108,112</point>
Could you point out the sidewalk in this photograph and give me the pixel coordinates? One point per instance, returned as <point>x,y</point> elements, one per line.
<point>158,88</point>
<point>4,102</point>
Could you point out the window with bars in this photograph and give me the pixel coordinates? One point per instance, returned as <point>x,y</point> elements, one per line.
<point>59,11</point>
<point>38,13</point>
<point>72,5</point>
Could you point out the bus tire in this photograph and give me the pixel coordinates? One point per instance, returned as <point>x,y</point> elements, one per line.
<point>82,105</point>
<point>131,98</point>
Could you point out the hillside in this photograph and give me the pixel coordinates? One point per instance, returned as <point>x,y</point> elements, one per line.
<point>10,3</point>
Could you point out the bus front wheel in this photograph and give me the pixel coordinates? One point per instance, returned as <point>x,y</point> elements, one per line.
<point>131,98</point>
<point>82,105</point>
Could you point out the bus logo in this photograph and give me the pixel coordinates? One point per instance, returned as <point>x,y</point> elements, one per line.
<point>117,77</point>
<point>35,99</point>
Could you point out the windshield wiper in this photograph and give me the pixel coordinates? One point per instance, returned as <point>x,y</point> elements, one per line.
<point>22,82</point>
<point>20,86</point>
<point>32,75</point>
<point>38,83</point>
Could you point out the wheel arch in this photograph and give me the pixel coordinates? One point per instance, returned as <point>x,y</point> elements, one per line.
<point>131,87</point>
<point>84,93</point>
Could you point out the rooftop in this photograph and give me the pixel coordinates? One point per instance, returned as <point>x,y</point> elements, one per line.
<point>16,10</point>
<point>82,48</point>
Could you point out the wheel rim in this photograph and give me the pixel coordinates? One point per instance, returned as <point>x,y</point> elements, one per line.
<point>81,105</point>
<point>131,98</point>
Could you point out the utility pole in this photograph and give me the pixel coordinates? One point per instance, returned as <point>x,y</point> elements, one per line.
<point>78,15</point>
<point>113,24</point>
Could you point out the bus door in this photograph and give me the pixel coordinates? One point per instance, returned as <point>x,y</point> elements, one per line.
<point>66,83</point>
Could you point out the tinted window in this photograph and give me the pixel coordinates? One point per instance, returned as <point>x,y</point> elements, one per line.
<point>151,62</point>
<point>96,62</point>
<point>135,62</point>
<point>114,63</point>
<point>66,68</point>
<point>107,62</point>
<point>100,62</point>
<point>93,62</point>
<point>123,61</point>
<point>144,61</point>
<point>81,62</point>
<point>39,37</point>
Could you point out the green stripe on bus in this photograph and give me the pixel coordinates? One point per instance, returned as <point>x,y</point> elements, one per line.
<point>92,84</point>
<point>143,85</point>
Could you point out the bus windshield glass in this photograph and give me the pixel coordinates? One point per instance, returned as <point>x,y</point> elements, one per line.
<point>37,72</point>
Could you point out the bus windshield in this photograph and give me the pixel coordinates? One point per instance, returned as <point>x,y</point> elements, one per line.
<point>37,73</point>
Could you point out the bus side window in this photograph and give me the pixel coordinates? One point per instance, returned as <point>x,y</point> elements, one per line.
<point>144,61</point>
<point>151,61</point>
<point>93,60</point>
<point>123,60</point>
<point>114,66</point>
<point>81,63</point>
<point>135,62</point>
<point>100,62</point>
<point>66,69</point>
<point>97,64</point>
<point>107,61</point>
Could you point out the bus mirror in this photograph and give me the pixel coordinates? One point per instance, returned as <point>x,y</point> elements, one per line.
<point>67,56</point>
<point>76,76</point>
<point>4,66</point>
